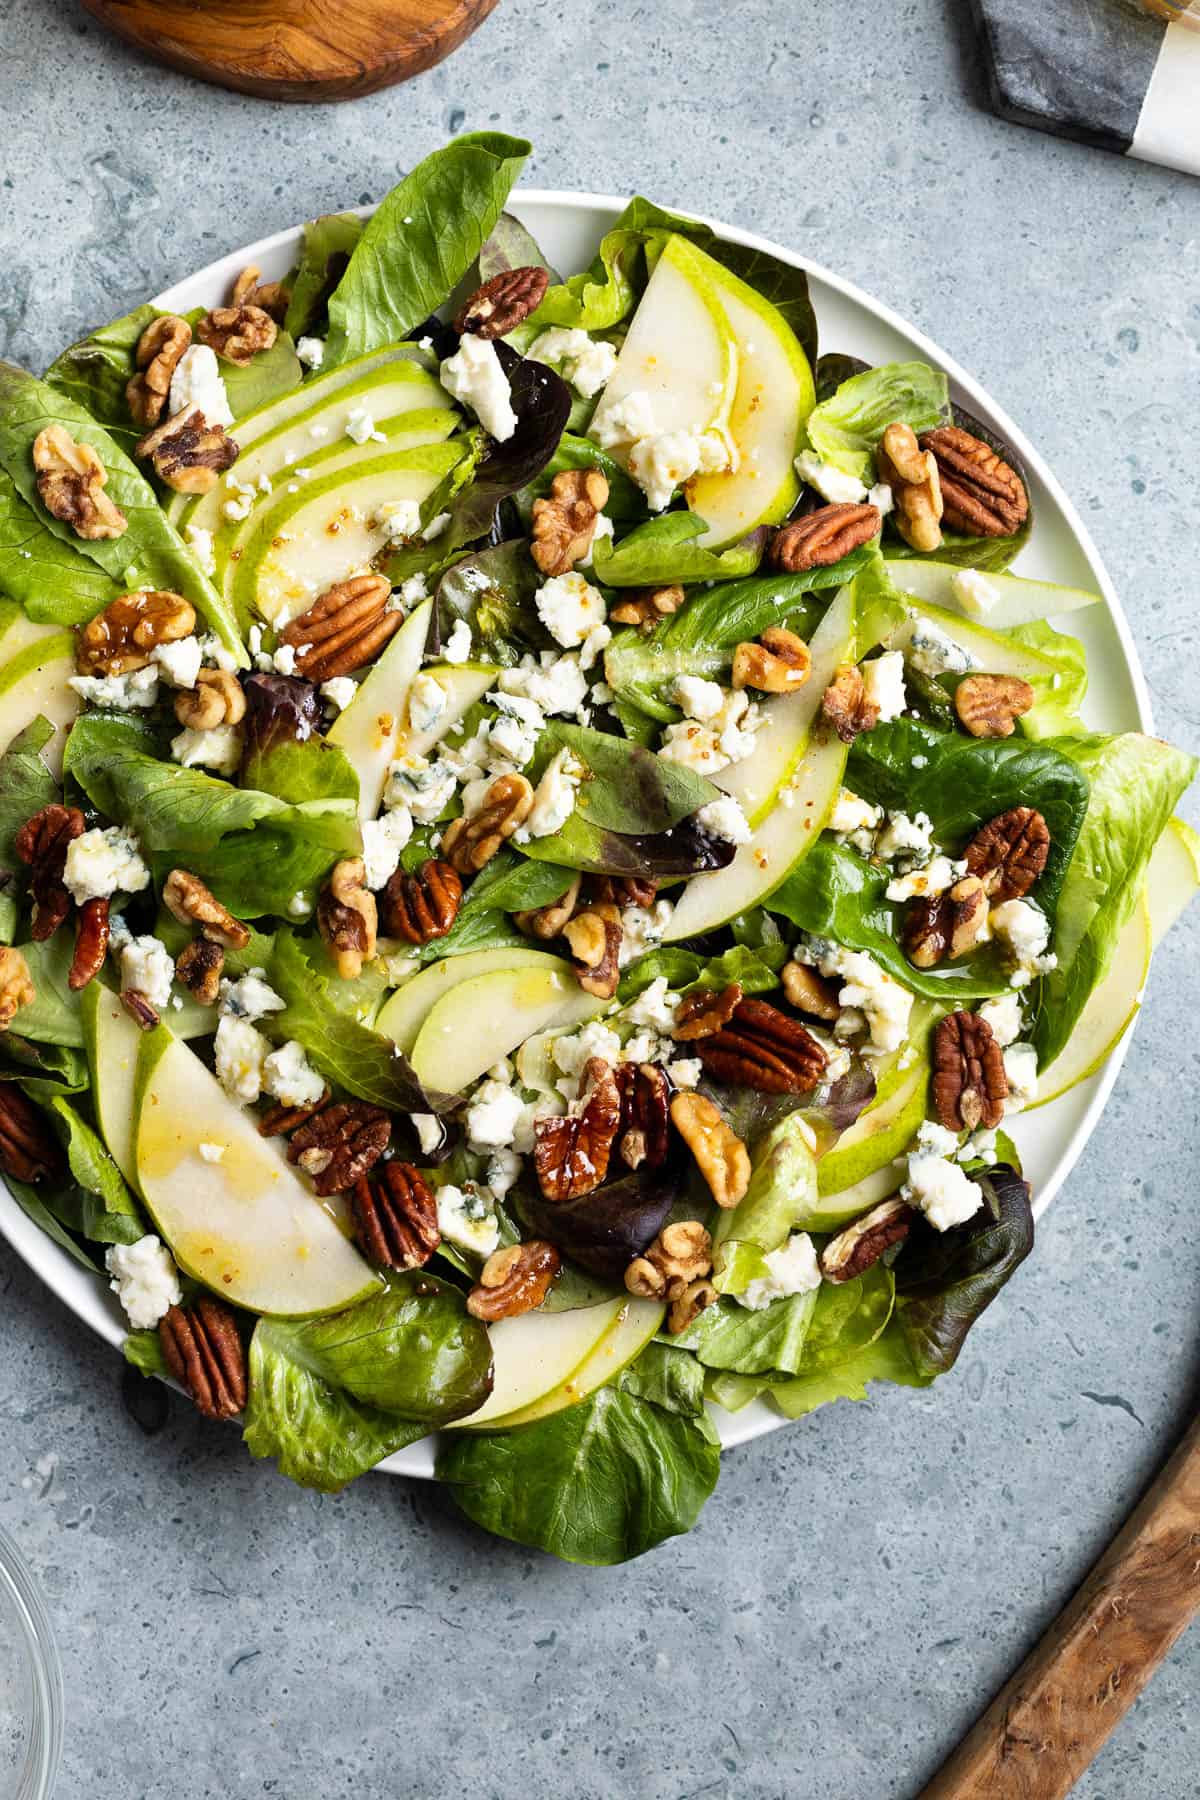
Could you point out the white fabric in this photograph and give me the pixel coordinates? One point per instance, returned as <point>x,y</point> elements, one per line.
<point>1168,129</point>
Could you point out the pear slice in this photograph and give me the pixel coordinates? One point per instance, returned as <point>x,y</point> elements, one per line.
<point>634,1326</point>
<point>481,1020</point>
<point>113,1042</point>
<point>246,1225</point>
<point>1173,878</point>
<point>465,683</point>
<point>369,729</point>
<point>876,1137</point>
<point>1110,1010</point>
<point>988,649</point>
<point>1019,601</point>
<point>830,1212</point>
<point>404,1014</point>
<point>535,1356</point>
<point>35,681</point>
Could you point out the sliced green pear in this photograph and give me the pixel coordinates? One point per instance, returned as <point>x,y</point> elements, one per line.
<point>988,649</point>
<point>245,1225</point>
<point>878,1135</point>
<point>304,542</point>
<point>113,1042</point>
<point>404,1014</point>
<point>774,396</point>
<point>17,631</point>
<point>830,1212</point>
<point>35,681</point>
<point>536,1354</point>
<point>1173,878</point>
<point>1110,1011</point>
<point>1018,601</point>
<point>635,1325</point>
<point>465,683</point>
<point>481,1020</point>
<point>369,729</point>
<point>680,351</point>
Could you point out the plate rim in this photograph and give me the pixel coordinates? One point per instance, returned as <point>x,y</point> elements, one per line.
<point>92,1304</point>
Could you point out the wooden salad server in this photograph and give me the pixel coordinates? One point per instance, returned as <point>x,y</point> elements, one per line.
<point>1045,1726</point>
<point>296,49</point>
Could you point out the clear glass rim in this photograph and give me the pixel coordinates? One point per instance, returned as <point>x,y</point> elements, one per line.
<point>44,1743</point>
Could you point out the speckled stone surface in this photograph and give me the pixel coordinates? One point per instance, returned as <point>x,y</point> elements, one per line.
<point>1078,67</point>
<point>861,1583</point>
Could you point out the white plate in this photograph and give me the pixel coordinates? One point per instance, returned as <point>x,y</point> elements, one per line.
<point>568,227</point>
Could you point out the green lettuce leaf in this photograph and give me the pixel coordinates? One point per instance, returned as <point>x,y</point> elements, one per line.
<point>800,1335</point>
<point>33,1204</point>
<point>100,1205</point>
<point>328,243</point>
<point>95,371</point>
<point>663,551</point>
<point>667,1376</point>
<point>782,1190</point>
<point>144,1350</point>
<point>886,1358</point>
<point>52,1016</point>
<point>845,428</point>
<point>493,590</point>
<point>626,789</point>
<point>946,1279</point>
<point>626,504</point>
<point>266,377</point>
<point>51,580</point>
<point>45,1071</point>
<point>510,246</point>
<point>26,785</point>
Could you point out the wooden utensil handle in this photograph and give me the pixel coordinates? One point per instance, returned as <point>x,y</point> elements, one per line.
<point>1044,1728</point>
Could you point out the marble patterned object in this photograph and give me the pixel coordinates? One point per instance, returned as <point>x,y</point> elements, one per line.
<point>1095,71</point>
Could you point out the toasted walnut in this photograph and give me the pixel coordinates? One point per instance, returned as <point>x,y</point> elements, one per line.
<point>424,906</point>
<point>395,1216</point>
<point>503,303</point>
<point>270,296</point>
<point>778,663</point>
<point>565,524</point>
<point>237,333</point>
<point>187,899</point>
<point>199,969</point>
<point>988,706</point>
<point>695,1298</point>
<point>983,497</point>
<point>720,1154</point>
<point>1009,853</point>
<point>28,1149</point>
<point>912,475</point>
<point>470,842</point>
<point>845,704</point>
<point>217,699</point>
<point>762,1048</point>
<point>121,638</point>
<point>91,943</point>
<point>548,921</point>
<point>204,1353</point>
<point>340,1143</point>
<point>595,939</point>
<point>514,1280</point>
<point>159,351</point>
<point>823,537</point>
<point>643,1131</point>
<point>679,1255</point>
<point>16,985</point>
<point>942,927</point>
<point>809,992</point>
<point>348,918</point>
<point>42,844</point>
<point>187,453</point>
<point>702,1013</point>
<point>647,606</point>
<point>571,1154</point>
<point>343,630</point>
<point>70,483</point>
<point>861,1244</point>
<point>969,1082</point>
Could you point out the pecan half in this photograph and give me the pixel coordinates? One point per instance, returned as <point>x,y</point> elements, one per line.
<point>679,1255</point>
<point>809,992</point>
<point>1009,853</point>
<point>571,1154</point>
<point>988,706</point>
<point>940,927</point>
<point>204,1353</point>
<point>762,1048</point>
<point>270,296</point>
<point>340,1143</point>
<point>823,537</point>
<point>16,985</point>
<point>969,1083</point>
<point>344,630</point>
<point>854,1250</point>
<point>423,906</point>
<point>720,1154</point>
<point>121,638</point>
<point>594,936</point>
<point>199,968</point>
<point>70,485</point>
<point>159,352</point>
<point>395,1216</point>
<point>91,943</point>
<point>845,704</point>
<point>28,1149</point>
<point>643,1130</point>
<point>503,303</point>
<point>982,496</point>
<point>280,1120</point>
<point>704,1011</point>
<point>912,475</point>
<point>187,453</point>
<point>471,842</point>
<point>42,844</point>
<point>143,1013</point>
<point>514,1280</point>
<point>778,663</point>
<point>187,899</point>
<point>348,918</point>
<point>622,890</point>
<point>564,525</point>
<point>547,922</point>
<point>237,333</point>
<point>218,698</point>
<point>647,606</point>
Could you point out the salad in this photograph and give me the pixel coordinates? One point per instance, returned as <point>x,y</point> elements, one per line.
<point>543,848</point>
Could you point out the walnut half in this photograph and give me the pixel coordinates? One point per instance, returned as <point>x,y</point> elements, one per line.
<point>70,483</point>
<point>187,453</point>
<point>564,524</point>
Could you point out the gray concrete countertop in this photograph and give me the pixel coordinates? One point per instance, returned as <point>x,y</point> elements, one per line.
<point>862,1582</point>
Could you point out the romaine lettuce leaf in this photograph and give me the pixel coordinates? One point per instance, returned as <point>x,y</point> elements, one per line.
<point>663,551</point>
<point>886,1358</point>
<point>845,428</point>
<point>95,371</point>
<point>52,1016</point>
<point>266,377</point>
<point>783,1187</point>
<point>801,1335</point>
<point>53,582</point>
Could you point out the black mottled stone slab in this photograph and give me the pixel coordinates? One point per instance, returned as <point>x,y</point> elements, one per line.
<point>1079,68</point>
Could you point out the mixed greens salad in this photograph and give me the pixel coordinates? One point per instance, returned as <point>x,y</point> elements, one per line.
<point>543,847</point>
